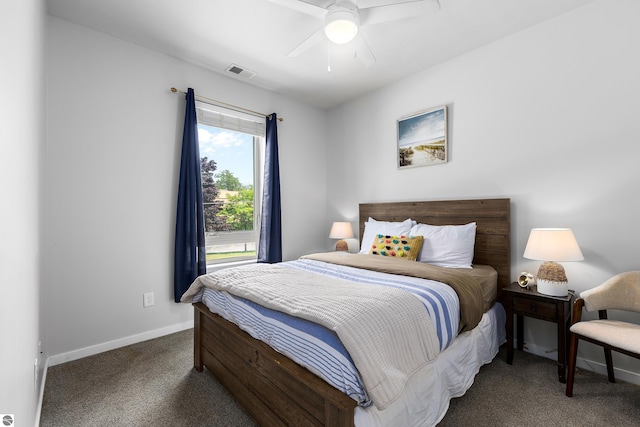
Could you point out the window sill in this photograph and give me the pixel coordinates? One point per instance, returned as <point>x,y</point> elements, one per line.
<point>215,267</point>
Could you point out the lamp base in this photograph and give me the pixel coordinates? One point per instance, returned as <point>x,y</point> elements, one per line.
<point>552,280</point>
<point>342,245</point>
<point>554,289</point>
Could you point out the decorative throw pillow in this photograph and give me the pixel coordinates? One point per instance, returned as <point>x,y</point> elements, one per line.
<point>372,228</point>
<point>406,247</point>
<point>447,245</point>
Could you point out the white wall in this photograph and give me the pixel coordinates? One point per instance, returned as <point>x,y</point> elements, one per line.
<point>21,140</point>
<point>114,136</point>
<point>547,117</point>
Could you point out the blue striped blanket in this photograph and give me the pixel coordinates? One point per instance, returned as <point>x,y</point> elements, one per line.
<point>318,348</point>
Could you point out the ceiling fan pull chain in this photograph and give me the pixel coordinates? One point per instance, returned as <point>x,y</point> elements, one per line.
<point>328,57</point>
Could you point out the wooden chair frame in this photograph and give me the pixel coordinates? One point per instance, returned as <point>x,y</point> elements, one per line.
<point>573,348</point>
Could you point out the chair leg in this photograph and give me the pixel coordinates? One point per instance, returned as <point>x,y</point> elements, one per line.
<point>609,360</point>
<point>573,355</point>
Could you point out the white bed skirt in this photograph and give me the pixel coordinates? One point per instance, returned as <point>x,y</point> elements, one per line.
<point>425,399</point>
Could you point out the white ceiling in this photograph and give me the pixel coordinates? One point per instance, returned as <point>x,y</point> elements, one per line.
<point>257,35</point>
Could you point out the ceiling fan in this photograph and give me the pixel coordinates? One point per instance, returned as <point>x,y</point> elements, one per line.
<point>342,19</point>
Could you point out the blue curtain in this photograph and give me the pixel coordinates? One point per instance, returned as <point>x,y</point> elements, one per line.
<point>190,254</point>
<point>270,245</point>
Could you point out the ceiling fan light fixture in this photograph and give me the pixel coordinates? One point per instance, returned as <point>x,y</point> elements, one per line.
<point>341,26</point>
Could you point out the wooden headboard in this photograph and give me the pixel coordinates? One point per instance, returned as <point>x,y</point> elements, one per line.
<point>492,217</point>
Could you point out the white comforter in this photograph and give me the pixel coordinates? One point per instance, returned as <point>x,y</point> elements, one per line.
<point>387,331</point>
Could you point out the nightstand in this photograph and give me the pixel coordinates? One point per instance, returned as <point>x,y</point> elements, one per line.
<point>528,302</point>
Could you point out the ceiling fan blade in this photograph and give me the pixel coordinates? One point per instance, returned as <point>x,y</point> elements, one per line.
<point>394,12</point>
<point>364,53</point>
<point>303,7</point>
<point>365,4</point>
<point>353,4</point>
<point>311,41</point>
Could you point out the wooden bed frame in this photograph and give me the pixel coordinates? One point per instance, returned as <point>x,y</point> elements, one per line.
<point>277,391</point>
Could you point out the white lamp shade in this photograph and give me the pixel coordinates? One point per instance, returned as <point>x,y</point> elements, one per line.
<point>341,230</point>
<point>552,244</point>
<point>341,26</point>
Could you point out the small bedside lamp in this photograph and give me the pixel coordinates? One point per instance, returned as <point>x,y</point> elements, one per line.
<point>551,245</point>
<point>341,230</point>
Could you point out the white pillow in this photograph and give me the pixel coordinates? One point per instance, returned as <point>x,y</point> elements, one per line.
<point>373,228</point>
<point>446,245</point>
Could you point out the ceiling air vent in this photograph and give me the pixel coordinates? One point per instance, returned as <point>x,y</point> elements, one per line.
<point>240,72</point>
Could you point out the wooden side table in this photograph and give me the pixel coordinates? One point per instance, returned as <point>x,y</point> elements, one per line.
<point>528,302</point>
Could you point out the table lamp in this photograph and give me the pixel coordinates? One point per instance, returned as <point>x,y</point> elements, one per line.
<point>341,230</point>
<point>551,245</point>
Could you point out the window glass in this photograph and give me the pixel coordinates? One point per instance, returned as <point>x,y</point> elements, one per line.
<point>230,168</point>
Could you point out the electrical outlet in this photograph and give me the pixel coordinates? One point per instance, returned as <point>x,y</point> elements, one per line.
<point>147,300</point>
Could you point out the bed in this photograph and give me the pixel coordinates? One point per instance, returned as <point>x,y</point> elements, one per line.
<point>277,391</point>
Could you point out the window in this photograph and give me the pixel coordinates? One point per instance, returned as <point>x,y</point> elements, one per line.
<point>231,153</point>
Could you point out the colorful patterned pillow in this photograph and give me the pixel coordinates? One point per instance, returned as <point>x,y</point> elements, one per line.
<point>405,247</point>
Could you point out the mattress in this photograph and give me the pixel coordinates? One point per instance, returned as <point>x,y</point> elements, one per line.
<point>425,400</point>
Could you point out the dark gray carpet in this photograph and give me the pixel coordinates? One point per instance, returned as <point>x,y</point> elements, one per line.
<point>153,384</point>
<point>528,393</point>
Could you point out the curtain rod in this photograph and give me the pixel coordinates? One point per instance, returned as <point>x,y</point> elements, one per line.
<point>225,105</point>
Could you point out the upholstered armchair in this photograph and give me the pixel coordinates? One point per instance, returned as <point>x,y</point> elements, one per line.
<point>621,292</point>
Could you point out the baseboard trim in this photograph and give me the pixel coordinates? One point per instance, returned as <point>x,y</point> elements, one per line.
<point>112,345</point>
<point>586,364</point>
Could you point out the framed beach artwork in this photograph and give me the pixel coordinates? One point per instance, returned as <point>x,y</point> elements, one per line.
<point>422,138</point>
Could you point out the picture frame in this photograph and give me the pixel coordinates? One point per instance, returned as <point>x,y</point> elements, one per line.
<point>422,138</point>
